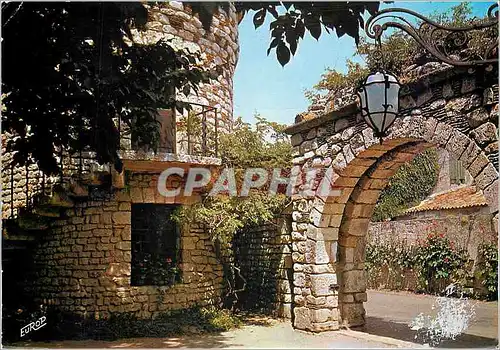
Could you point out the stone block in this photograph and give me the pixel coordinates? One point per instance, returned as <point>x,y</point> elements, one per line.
<point>477,117</point>
<point>356,226</point>
<point>485,134</point>
<point>354,171</point>
<point>296,140</point>
<point>359,210</point>
<point>353,314</point>
<point>148,195</point>
<point>442,134</point>
<point>299,279</point>
<point>491,195</point>
<point>136,195</point>
<point>347,255</point>
<point>121,218</point>
<point>470,154</point>
<point>347,298</point>
<point>311,134</point>
<point>478,165</point>
<point>314,301</point>
<point>299,300</point>
<point>348,240</point>
<point>457,144</point>
<point>354,281</point>
<point>319,269</point>
<point>319,253</point>
<point>486,177</point>
<point>302,318</point>
<point>320,284</point>
<point>360,297</point>
<point>430,127</point>
<point>381,174</point>
<point>325,326</point>
<point>123,246</point>
<point>333,208</point>
<point>335,221</point>
<point>320,315</point>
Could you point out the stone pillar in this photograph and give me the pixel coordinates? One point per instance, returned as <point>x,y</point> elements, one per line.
<point>315,281</point>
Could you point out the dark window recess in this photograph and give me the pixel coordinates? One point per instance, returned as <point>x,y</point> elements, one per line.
<point>155,245</point>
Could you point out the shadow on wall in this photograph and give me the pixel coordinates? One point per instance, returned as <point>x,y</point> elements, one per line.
<point>264,254</point>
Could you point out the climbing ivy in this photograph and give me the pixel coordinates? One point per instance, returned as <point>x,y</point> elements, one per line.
<point>487,269</point>
<point>264,145</point>
<point>412,183</point>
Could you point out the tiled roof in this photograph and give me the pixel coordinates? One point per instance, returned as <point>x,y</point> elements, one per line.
<point>461,197</point>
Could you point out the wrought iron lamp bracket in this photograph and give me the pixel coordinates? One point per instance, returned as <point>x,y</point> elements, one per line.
<point>439,39</point>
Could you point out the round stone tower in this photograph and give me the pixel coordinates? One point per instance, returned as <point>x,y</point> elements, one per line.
<point>218,46</point>
<point>83,258</point>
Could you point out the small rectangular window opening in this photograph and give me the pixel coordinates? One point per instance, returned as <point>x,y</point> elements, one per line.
<point>155,245</point>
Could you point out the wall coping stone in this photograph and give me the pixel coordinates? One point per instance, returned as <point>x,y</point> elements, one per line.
<point>409,88</point>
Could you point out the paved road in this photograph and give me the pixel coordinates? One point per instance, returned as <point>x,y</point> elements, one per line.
<point>265,334</point>
<point>388,314</point>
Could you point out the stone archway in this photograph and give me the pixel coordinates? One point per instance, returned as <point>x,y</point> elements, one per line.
<point>329,233</point>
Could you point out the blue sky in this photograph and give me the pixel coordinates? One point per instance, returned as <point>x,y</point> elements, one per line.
<point>262,85</point>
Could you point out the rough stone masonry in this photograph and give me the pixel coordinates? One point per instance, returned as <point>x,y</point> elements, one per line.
<point>450,108</point>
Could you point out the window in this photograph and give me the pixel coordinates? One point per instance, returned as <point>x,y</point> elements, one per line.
<point>457,172</point>
<point>155,245</point>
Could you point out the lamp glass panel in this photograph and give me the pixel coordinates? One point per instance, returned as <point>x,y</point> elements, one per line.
<point>378,120</point>
<point>389,119</point>
<point>377,77</point>
<point>362,100</point>
<point>393,98</point>
<point>376,97</point>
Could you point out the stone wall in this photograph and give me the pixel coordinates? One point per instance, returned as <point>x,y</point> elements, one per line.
<point>84,259</point>
<point>453,109</point>
<point>168,20</point>
<point>264,254</point>
<point>467,228</point>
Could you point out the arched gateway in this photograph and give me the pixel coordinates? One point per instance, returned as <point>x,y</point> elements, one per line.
<point>453,109</point>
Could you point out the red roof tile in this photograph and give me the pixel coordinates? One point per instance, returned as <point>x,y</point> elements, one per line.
<point>461,197</point>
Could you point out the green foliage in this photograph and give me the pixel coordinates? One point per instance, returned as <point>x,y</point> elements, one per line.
<point>488,269</point>
<point>400,51</point>
<point>408,186</point>
<point>60,326</point>
<point>65,82</point>
<point>396,257</point>
<point>293,19</point>
<point>437,260</point>
<point>335,81</point>
<point>224,216</point>
<point>263,146</point>
<point>156,272</point>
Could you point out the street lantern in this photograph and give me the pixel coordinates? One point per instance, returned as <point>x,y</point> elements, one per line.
<point>379,98</point>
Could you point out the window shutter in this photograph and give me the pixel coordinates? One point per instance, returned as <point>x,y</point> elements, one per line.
<point>457,172</point>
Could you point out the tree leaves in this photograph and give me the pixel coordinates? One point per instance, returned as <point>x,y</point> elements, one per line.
<point>259,17</point>
<point>289,27</point>
<point>283,54</point>
<point>67,81</point>
<point>411,183</point>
